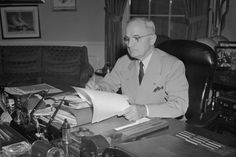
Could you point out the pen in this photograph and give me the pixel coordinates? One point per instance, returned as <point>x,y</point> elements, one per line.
<point>54,114</point>
<point>4,135</point>
<point>201,140</point>
<point>186,139</point>
<point>39,102</point>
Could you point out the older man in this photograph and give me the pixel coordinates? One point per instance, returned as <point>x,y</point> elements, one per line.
<point>153,80</point>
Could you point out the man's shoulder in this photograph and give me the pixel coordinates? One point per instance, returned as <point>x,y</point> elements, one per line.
<point>124,60</point>
<point>165,56</point>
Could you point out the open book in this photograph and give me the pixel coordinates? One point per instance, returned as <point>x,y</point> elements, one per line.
<point>105,104</point>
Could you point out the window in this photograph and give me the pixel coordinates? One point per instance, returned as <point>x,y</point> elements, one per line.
<point>168,15</point>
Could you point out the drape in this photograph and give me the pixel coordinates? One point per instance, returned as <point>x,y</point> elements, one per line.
<point>114,10</point>
<point>196,18</point>
<point>220,9</point>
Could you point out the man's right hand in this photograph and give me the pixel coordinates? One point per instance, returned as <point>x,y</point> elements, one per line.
<point>91,84</point>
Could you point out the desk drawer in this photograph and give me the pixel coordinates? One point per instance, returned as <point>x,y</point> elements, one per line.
<point>227,117</point>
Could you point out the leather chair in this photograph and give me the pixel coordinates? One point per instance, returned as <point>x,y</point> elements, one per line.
<point>161,38</point>
<point>200,63</point>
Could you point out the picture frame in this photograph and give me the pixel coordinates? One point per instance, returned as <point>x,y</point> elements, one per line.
<point>227,43</point>
<point>21,1</point>
<point>226,57</point>
<point>20,22</point>
<point>63,5</point>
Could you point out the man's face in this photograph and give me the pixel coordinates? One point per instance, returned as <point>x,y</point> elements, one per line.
<point>138,40</point>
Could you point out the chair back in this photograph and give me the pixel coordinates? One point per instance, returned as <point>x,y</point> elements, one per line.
<point>161,38</point>
<point>200,63</point>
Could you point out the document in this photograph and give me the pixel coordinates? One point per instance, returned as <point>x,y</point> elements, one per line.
<point>105,104</point>
<point>22,90</point>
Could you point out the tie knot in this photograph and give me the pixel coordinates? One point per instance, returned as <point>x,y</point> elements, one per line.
<point>141,64</point>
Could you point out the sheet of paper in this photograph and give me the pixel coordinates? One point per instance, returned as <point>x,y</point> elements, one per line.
<point>22,90</point>
<point>105,104</point>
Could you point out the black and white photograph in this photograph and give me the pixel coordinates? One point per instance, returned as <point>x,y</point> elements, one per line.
<point>226,57</point>
<point>64,5</point>
<point>118,78</point>
<point>20,22</point>
<point>227,43</point>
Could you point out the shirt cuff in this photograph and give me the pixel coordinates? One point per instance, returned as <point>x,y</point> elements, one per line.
<point>147,110</point>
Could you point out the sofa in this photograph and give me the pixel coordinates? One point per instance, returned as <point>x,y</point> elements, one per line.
<point>26,65</point>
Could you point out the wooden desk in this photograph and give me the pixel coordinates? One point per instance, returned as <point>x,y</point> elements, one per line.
<point>225,78</point>
<point>175,126</point>
<point>224,87</point>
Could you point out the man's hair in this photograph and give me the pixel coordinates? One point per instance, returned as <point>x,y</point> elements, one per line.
<point>148,23</point>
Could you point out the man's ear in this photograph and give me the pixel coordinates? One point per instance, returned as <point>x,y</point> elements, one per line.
<point>153,39</point>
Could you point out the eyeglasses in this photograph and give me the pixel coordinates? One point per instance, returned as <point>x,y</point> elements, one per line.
<point>134,38</point>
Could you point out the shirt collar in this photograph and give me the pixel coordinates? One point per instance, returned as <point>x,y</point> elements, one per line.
<point>146,61</point>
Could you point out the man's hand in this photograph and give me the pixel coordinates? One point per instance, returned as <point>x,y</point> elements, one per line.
<point>91,84</point>
<point>135,112</point>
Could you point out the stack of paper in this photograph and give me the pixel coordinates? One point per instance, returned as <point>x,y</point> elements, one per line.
<point>105,104</point>
<point>61,115</point>
<point>73,101</point>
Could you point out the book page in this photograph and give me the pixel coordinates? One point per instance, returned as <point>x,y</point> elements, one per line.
<point>105,104</point>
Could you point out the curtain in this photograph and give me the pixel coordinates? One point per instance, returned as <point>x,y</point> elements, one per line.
<point>114,10</point>
<point>220,9</point>
<point>197,18</point>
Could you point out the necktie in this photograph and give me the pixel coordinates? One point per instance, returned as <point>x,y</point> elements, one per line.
<point>141,72</point>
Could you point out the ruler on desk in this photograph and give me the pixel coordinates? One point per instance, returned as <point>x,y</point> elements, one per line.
<point>142,128</point>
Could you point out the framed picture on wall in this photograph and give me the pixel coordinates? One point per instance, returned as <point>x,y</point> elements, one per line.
<point>227,43</point>
<point>226,59</point>
<point>21,1</point>
<point>63,5</point>
<point>20,22</point>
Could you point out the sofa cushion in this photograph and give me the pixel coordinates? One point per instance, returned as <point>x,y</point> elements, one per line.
<point>25,65</point>
<point>64,62</point>
<point>21,64</point>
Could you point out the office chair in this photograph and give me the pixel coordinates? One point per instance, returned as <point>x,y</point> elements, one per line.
<point>161,38</point>
<point>200,63</point>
